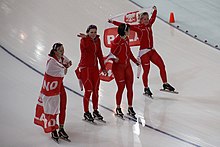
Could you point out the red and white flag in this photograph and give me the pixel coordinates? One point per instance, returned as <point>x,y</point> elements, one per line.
<point>48,103</point>
<point>108,67</point>
<point>130,18</point>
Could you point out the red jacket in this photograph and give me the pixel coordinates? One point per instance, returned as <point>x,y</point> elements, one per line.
<point>90,51</point>
<point>121,49</point>
<point>144,32</point>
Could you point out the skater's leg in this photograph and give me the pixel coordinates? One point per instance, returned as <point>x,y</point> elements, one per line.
<point>95,94</point>
<point>119,73</point>
<point>129,78</point>
<point>145,62</point>
<point>87,83</point>
<point>86,99</point>
<point>158,61</point>
<point>63,101</point>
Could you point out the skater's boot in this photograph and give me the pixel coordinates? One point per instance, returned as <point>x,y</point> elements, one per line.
<point>88,116</point>
<point>119,112</point>
<point>62,134</point>
<point>97,115</point>
<point>167,86</point>
<point>147,92</point>
<point>131,111</point>
<point>55,136</point>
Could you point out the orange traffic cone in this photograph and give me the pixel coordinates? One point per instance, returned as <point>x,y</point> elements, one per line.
<point>172,20</point>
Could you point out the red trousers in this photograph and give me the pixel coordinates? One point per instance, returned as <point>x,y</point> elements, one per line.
<point>155,58</point>
<point>63,101</point>
<point>90,79</point>
<point>124,77</point>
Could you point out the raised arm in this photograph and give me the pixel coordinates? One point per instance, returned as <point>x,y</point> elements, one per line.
<point>117,23</point>
<point>154,15</point>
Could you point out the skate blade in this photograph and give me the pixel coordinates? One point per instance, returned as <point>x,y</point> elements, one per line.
<point>119,116</point>
<point>150,96</point>
<point>56,140</point>
<point>66,139</point>
<point>133,117</point>
<point>165,90</point>
<point>91,122</point>
<point>101,120</point>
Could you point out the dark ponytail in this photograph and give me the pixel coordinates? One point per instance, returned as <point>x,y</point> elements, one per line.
<point>91,27</point>
<point>122,28</point>
<point>54,48</point>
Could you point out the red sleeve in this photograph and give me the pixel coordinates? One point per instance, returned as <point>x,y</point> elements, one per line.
<point>132,27</point>
<point>84,44</point>
<point>153,17</point>
<point>116,23</point>
<point>115,47</point>
<point>135,28</point>
<point>132,56</point>
<point>100,55</point>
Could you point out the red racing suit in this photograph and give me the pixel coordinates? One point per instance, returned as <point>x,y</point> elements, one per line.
<point>122,69</point>
<point>147,52</point>
<point>89,72</point>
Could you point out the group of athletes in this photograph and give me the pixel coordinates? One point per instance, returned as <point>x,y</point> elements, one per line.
<point>88,69</point>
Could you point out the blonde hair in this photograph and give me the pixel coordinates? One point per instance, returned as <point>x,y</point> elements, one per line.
<point>141,15</point>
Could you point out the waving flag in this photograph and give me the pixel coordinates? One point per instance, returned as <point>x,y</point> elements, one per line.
<point>131,18</point>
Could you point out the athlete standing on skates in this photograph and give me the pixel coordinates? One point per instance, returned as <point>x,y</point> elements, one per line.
<point>88,72</point>
<point>147,52</point>
<point>122,69</point>
<point>53,95</point>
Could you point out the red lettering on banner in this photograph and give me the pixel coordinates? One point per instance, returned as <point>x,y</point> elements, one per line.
<point>46,121</point>
<point>110,76</point>
<point>131,17</point>
<point>111,33</point>
<point>109,36</point>
<point>50,86</point>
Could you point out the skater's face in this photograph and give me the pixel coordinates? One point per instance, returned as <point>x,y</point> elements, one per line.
<point>59,52</point>
<point>92,33</point>
<point>127,33</point>
<point>144,19</point>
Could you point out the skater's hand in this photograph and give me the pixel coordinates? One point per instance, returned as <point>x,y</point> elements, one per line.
<point>154,7</point>
<point>105,72</point>
<point>116,60</point>
<point>138,63</point>
<point>69,64</point>
<point>110,20</point>
<point>82,35</point>
<point>65,71</point>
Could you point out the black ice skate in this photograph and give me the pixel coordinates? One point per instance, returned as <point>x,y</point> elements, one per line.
<point>168,88</point>
<point>131,112</point>
<point>63,135</point>
<point>147,92</point>
<point>98,116</point>
<point>88,117</point>
<point>55,136</point>
<point>119,113</point>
